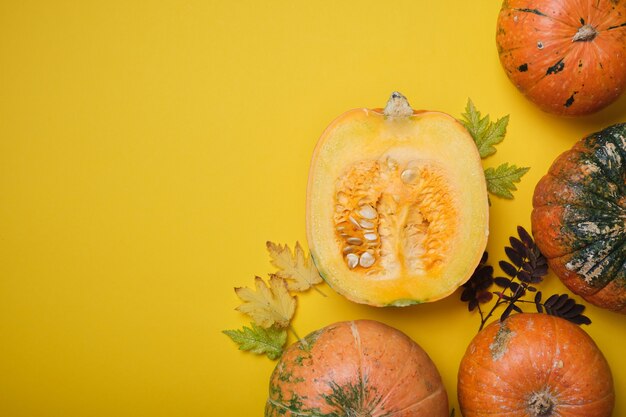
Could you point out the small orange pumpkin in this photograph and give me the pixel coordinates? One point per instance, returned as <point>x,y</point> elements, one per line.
<point>566,56</point>
<point>357,368</point>
<point>534,365</point>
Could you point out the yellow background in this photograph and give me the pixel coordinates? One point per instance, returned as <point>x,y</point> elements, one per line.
<point>149,149</point>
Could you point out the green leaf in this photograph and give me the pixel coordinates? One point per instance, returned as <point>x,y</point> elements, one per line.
<point>259,340</point>
<point>485,133</point>
<point>501,180</point>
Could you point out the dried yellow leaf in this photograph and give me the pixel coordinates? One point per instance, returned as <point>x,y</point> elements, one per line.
<point>268,305</point>
<point>295,268</point>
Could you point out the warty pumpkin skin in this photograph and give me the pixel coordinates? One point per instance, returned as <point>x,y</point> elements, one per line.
<point>566,56</point>
<point>397,209</point>
<point>534,365</point>
<point>579,215</point>
<point>359,368</point>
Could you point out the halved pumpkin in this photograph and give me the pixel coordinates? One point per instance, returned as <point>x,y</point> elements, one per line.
<point>397,209</point>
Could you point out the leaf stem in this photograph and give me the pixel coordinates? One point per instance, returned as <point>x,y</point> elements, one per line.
<point>320,292</point>
<point>482,315</point>
<point>513,299</point>
<point>484,319</point>
<point>293,331</point>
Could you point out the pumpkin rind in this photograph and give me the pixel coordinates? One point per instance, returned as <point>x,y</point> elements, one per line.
<point>534,365</point>
<point>358,368</point>
<point>420,180</point>
<point>543,52</point>
<point>579,215</point>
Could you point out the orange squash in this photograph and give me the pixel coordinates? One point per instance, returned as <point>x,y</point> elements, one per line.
<point>578,218</point>
<point>357,368</point>
<point>534,365</point>
<point>566,56</point>
<point>397,209</point>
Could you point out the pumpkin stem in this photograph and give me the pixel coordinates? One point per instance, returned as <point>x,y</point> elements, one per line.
<point>397,106</point>
<point>585,33</point>
<point>540,404</point>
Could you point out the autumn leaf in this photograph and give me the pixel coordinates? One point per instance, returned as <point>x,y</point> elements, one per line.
<point>259,340</point>
<point>297,270</point>
<point>501,180</point>
<point>268,305</point>
<point>486,134</point>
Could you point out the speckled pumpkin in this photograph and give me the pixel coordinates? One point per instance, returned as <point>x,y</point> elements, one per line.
<point>579,216</point>
<point>358,368</point>
<point>567,56</point>
<point>534,365</point>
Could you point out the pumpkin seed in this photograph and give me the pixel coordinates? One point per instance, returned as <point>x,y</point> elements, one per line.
<point>353,260</point>
<point>354,241</point>
<point>366,224</point>
<point>408,176</point>
<point>367,212</point>
<point>354,222</point>
<point>370,236</point>
<point>349,249</point>
<point>366,260</point>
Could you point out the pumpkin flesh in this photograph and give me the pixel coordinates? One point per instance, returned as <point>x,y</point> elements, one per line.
<point>359,368</point>
<point>568,57</point>
<point>534,365</point>
<point>408,190</point>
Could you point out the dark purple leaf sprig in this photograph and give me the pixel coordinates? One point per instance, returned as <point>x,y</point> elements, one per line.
<point>525,268</point>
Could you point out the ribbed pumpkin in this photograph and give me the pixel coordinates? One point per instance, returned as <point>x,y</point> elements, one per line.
<point>356,369</point>
<point>579,215</point>
<point>567,56</point>
<point>534,365</point>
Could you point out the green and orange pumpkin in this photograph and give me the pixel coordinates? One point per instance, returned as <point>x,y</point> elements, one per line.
<point>566,56</point>
<point>356,368</point>
<point>534,365</point>
<point>579,218</point>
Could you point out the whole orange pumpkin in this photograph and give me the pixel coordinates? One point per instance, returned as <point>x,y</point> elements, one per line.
<point>534,365</point>
<point>358,368</point>
<point>567,56</point>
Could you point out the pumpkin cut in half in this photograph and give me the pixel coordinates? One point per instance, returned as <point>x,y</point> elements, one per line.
<point>566,56</point>
<point>357,368</point>
<point>579,218</point>
<point>534,365</point>
<point>397,208</point>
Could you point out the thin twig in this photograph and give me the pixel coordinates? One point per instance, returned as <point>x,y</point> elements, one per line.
<point>319,291</point>
<point>303,341</point>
